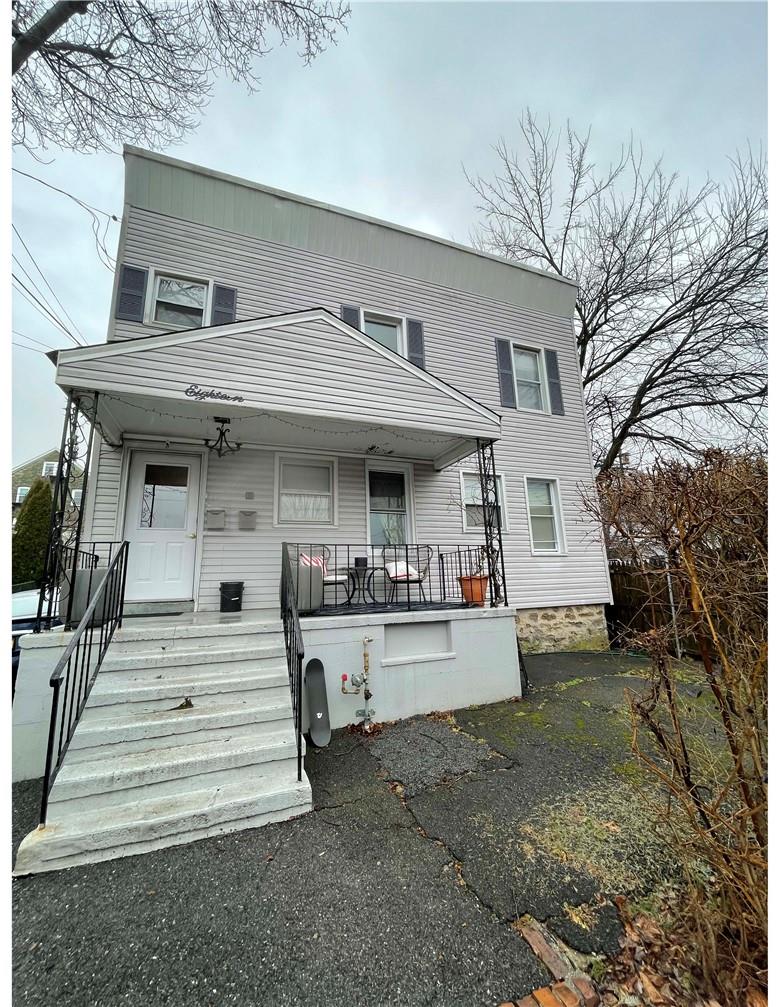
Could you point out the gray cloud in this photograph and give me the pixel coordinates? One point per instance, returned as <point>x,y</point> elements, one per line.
<point>383,122</point>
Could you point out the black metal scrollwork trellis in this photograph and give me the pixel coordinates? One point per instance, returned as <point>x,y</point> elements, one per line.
<point>493,538</point>
<point>63,556</point>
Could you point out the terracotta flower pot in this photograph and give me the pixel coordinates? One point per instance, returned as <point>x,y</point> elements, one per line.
<point>474,588</point>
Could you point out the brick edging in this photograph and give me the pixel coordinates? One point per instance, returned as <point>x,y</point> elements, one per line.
<point>577,992</point>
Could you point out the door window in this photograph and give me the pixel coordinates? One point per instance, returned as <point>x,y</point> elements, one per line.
<point>164,497</point>
<point>387,493</point>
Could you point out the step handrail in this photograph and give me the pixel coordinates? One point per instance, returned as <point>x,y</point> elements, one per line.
<point>76,671</point>
<point>293,644</point>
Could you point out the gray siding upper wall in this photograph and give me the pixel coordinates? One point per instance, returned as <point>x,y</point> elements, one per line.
<point>174,188</point>
<point>460,331</point>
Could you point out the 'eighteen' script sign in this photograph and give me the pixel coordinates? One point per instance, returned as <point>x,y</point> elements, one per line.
<point>196,392</point>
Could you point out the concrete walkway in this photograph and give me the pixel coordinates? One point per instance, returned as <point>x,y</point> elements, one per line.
<point>428,842</point>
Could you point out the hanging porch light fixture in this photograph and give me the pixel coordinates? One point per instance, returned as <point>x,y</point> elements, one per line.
<point>222,445</point>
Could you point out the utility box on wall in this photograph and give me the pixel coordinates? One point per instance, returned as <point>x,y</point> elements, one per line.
<point>247,520</point>
<point>215,520</point>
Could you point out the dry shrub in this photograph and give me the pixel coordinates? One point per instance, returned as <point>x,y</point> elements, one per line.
<point>707,745</point>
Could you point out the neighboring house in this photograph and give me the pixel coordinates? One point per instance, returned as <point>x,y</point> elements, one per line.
<point>358,365</point>
<point>24,475</point>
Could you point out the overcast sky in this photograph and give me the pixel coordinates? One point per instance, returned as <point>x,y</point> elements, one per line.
<point>383,123</point>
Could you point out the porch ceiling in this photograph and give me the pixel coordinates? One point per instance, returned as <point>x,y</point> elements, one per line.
<point>305,380</point>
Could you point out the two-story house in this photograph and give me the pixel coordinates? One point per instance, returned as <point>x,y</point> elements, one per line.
<point>381,427</point>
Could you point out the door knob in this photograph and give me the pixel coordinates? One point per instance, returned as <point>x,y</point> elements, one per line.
<point>192,535</point>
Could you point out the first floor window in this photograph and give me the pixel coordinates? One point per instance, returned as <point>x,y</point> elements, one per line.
<point>529,375</point>
<point>472,503</point>
<point>387,505</point>
<point>179,302</point>
<point>21,493</point>
<point>543,506</point>
<point>387,331</point>
<point>306,491</point>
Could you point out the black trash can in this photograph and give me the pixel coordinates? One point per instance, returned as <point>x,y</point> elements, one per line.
<point>230,595</point>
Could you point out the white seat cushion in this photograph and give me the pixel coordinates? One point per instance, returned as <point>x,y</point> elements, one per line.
<point>401,571</point>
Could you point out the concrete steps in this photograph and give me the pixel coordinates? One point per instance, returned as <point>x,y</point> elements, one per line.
<point>188,732</point>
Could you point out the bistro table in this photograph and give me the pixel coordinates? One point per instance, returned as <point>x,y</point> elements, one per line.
<point>362,580</point>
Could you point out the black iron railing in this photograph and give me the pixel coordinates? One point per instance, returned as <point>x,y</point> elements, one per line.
<point>333,578</point>
<point>293,642</point>
<point>75,673</point>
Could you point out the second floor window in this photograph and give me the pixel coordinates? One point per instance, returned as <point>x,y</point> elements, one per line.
<point>387,331</point>
<point>530,379</point>
<point>21,493</point>
<point>49,469</point>
<point>179,302</point>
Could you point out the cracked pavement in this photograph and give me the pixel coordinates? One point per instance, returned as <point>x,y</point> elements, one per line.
<point>427,842</point>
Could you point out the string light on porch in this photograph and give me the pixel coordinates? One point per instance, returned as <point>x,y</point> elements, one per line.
<point>222,445</point>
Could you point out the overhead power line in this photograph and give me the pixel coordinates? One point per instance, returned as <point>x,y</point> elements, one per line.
<point>29,296</point>
<point>32,339</point>
<point>42,276</point>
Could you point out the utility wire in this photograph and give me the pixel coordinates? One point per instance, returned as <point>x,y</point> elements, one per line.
<point>31,348</point>
<point>39,294</point>
<point>33,300</point>
<point>40,272</point>
<point>103,254</point>
<point>32,339</point>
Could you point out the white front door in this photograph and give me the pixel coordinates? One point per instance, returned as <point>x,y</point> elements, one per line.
<point>161,526</point>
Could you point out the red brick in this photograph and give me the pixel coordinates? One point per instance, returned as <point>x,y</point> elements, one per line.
<point>527,1002</point>
<point>565,995</point>
<point>588,992</point>
<point>544,950</point>
<point>545,997</point>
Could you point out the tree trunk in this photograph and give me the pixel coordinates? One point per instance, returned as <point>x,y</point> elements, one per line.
<point>54,18</point>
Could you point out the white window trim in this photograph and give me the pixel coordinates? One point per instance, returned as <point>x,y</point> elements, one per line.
<point>284,456</point>
<point>475,530</point>
<point>18,488</point>
<point>148,313</point>
<point>46,474</point>
<point>380,315</point>
<point>407,468</point>
<point>545,407</point>
<point>562,542</point>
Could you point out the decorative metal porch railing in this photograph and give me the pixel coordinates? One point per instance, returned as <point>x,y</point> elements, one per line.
<point>75,672</point>
<point>63,549</point>
<point>293,642</point>
<point>345,577</point>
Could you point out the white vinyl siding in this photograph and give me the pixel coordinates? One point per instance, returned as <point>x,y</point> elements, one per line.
<point>460,332</point>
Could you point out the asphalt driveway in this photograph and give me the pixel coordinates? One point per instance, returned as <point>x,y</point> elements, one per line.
<point>428,842</point>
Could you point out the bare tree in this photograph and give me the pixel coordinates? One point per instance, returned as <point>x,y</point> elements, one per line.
<point>90,74</point>
<point>671,312</point>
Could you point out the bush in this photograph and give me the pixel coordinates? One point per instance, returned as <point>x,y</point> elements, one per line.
<point>710,523</point>
<point>32,534</point>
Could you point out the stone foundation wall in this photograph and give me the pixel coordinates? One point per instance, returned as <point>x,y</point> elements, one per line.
<point>569,627</point>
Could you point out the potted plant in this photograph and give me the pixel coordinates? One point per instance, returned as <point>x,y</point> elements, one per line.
<point>474,584</point>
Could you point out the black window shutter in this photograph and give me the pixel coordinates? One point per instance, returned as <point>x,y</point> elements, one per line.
<point>223,305</point>
<point>132,293</point>
<point>415,335</point>
<point>553,380</point>
<point>351,315</point>
<point>508,391</point>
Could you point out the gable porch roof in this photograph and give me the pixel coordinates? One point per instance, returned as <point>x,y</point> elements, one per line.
<point>303,379</point>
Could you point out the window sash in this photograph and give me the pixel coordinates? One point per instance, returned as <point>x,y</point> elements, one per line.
<point>299,503</point>
<point>544,512</point>
<point>386,331</point>
<point>472,503</point>
<point>179,301</point>
<point>529,381</point>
